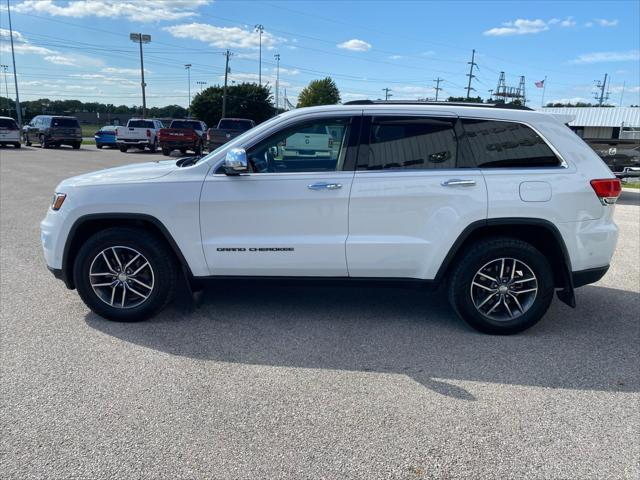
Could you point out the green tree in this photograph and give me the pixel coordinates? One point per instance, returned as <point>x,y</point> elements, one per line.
<point>247,100</point>
<point>319,92</point>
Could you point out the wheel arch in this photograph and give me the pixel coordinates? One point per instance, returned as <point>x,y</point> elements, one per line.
<point>87,225</point>
<point>540,233</point>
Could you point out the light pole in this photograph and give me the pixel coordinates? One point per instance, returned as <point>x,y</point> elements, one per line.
<point>15,75</point>
<point>188,67</point>
<point>140,38</point>
<point>201,84</point>
<point>6,87</point>
<point>277,57</point>
<point>260,28</point>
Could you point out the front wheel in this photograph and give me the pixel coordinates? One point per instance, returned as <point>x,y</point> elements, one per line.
<point>125,274</point>
<point>99,146</point>
<point>43,142</point>
<point>501,286</point>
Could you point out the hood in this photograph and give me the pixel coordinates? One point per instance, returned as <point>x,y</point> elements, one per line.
<point>136,172</point>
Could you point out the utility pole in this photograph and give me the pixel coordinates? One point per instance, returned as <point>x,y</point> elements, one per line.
<point>15,76</point>
<point>260,28</point>
<point>227,54</point>
<point>437,88</point>
<point>470,74</point>
<point>490,94</point>
<point>624,84</point>
<point>6,87</point>
<point>188,67</point>
<point>277,57</point>
<point>386,93</point>
<point>602,86</point>
<point>140,38</point>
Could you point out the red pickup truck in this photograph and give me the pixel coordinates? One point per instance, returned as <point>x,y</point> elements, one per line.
<point>182,135</point>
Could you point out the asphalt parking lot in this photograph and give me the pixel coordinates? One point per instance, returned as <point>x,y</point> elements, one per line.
<point>271,381</point>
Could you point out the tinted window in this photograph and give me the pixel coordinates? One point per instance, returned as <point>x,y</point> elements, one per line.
<point>108,128</point>
<point>141,124</point>
<point>412,143</point>
<point>64,122</point>
<point>8,123</point>
<point>506,144</point>
<point>186,124</point>
<point>241,125</point>
<point>296,150</point>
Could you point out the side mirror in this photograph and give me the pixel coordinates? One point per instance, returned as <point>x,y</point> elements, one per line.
<point>236,162</point>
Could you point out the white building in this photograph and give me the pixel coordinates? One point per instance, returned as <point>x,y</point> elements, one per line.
<point>602,123</point>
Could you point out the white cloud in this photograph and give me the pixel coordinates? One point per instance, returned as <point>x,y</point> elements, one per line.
<point>60,60</point>
<point>568,22</point>
<point>603,22</point>
<point>253,78</point>
<point>21,44</point>
<point>588,24</point>
<point>520,26</point>
<point>428,53</point>
<point>136,11</point>
<point>124,71</point>
<point>602,57</point>
<point>224,37</point>
<point>355,45</point>
<point>288,71</point>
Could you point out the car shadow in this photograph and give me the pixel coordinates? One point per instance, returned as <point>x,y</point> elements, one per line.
<point>390,330</point>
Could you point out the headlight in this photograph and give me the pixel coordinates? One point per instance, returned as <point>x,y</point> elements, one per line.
<point>58,200</point>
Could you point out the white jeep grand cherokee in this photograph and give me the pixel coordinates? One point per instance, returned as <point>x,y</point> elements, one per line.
<point>503,206</point>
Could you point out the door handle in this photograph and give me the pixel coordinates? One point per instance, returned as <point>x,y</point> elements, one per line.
<point>458,182</point>
<point>324,186</point>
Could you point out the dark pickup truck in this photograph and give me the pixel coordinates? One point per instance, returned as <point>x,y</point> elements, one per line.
<point>227,129</point>
<point>622,156</point>
<point>182,135</point>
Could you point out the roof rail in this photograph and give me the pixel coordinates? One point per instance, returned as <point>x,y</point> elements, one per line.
<point>508,106</point>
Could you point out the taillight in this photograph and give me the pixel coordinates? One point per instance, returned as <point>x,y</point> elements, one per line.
<point>607,189</point>
<point>148,133</point>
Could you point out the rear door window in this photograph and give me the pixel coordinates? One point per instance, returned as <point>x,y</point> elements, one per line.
<point>412,143</point>
<point>140,124</point>
<point>503,144</point>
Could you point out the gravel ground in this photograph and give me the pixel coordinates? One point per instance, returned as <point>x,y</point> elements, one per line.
<point>272,381</point>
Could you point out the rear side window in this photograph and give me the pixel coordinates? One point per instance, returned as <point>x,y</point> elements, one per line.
<point>497,144</point>
<point>141,124</point>
<point>64,122</point>
<point>235,124</point>
<point>412,143</point>
<point>8,124</point>
<point>186,124</point>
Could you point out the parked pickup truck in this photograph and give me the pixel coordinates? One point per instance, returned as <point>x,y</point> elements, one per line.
<point>227,129</point>
<point>183,135</point>
<point>139,133</point>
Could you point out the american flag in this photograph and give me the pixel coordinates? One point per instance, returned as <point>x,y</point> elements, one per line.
<point>539,84</point>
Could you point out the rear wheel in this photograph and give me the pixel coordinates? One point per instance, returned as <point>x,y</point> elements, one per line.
<point>98,145</point>
<point>183,151</point>
<point>17,145</point>
<point>43,142</point>
<point>166,152</point>
<point>76,146</point>
<point>125,274</point>
<point>123,148</point>
<point>154,146</point>
<point>198,149</point>
<point>501,286</point>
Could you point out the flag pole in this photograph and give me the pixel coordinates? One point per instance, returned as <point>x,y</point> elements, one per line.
<point>544,88</point>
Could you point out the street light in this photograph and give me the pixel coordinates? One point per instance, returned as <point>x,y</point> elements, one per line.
<point>141,38</point>
<point>260,28</point>
<point>201,84</point>
<point>188,67</point>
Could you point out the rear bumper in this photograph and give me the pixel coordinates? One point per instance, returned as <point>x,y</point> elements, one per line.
<point>145,141</point>
<point>177,144</point>
<point>591,275</point>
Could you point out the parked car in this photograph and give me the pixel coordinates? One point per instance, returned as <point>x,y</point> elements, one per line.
<point>315,141</point>
<point>106,137</point>
<point>622,156</point>
<point>139,133</point>
<point>9,132</point>
<point>53,131</point>
<point>227,129</point>
<point>503,207</point>
<point>183,135</point>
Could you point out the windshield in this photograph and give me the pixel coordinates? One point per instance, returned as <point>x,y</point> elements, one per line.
<point>8,123</point>
<point>234,124</point>
<point>64,122</point>
<point>140,124</point>
<point>186,124</point>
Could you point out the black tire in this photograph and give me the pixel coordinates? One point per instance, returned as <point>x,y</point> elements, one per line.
<point>481,254</point>
<point>17,145</point>
<point>183,151</point>
<point>154,146</point>
<point>43,142</point>
<point>166,152</point>
<point>155,251</point>
<point>99,146</point>
<point>76,146</point>
<point>123,148</point>
<point>198,149</point>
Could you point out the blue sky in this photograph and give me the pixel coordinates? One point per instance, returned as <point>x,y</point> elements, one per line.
<point>81,49</point>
